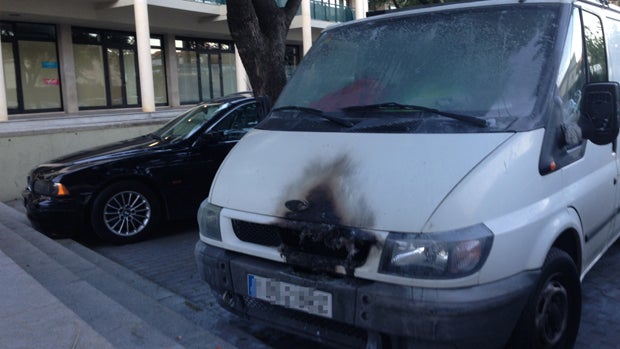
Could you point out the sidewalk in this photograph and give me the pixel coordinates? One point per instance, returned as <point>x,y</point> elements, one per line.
<point>33,318</point>
<point>30,316</point>
<point>52,297</point>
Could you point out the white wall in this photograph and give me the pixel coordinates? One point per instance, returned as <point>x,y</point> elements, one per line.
<point>20,153</point>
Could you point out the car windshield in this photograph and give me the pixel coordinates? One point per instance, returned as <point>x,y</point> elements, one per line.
<point>186,124</point>
<point>487,65</point>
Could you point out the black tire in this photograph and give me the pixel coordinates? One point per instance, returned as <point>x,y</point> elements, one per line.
<point>125,212</point>
<point>552,314</point>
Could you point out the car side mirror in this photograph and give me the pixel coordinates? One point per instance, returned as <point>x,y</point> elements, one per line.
<point>599,112</point>
<point>208,138</point>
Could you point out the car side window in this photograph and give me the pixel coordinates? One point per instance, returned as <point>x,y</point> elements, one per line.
<point>238,122</point>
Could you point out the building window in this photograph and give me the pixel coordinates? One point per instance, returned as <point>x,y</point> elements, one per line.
<point>8,60</point>
<point>106,68</point>
<point>89,72</point>
<point>159,71</point>
<point>206,69</point>
<point>291,57</point>
<point>30,59</point>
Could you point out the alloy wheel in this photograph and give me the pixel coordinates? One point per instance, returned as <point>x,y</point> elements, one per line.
<point>127,213</point>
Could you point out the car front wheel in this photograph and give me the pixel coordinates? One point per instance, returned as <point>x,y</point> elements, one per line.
<point>124,212</point>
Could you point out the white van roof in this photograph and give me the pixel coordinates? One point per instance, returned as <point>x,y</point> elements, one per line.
<point>470,4</point>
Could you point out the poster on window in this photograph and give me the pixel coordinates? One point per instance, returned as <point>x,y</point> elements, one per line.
<point>51,82</point>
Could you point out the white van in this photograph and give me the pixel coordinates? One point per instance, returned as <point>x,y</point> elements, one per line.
<point>436,177</point>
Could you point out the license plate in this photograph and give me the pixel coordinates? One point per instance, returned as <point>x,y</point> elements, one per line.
<point>290,296</point>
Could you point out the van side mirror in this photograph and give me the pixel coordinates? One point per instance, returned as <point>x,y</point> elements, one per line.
<point>599,112</point>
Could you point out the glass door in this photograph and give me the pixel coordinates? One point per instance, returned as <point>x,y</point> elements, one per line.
<point>31,68</point>
<point>205,76</point>
<point>210,75</point>
<point>206,69</point>
<point>131,76</point>
<point>122,77</point>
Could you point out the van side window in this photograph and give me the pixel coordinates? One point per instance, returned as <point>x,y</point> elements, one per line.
<point>572,73</point>
<point>595,48</point>
<point>613,45</point>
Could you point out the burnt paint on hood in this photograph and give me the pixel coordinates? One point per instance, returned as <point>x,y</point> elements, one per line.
<point>321,210</point>
<point>329,194</point>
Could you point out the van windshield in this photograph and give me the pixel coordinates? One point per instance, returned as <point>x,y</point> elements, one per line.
<point>412,72</point>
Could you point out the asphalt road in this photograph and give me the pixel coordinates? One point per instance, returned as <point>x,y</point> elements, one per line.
<point>167,259</point>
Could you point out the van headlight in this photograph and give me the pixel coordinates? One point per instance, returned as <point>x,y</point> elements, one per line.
<point>443,255</point>
<point>209,220</point>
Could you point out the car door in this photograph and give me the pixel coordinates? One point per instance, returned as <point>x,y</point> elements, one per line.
<point>205,156</point>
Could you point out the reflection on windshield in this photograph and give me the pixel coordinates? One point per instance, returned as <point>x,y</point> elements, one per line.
<point>188,123</point>
<point>486,62</point>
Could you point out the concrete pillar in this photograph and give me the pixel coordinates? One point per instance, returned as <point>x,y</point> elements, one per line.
<point>145,64</point>
<point>4,112</point>
<point>67,69</point>
<point>361,7</point>
<point>172,71</point>
<point>306,25</point>
<point>242,76</point>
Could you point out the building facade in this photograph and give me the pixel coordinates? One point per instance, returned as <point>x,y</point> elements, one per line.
<point>69,56</point>
<point>80,73</point>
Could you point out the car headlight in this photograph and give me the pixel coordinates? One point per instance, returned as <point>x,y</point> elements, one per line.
<point>49,188</point>
<point>209,220</point>
<point>442,255</point>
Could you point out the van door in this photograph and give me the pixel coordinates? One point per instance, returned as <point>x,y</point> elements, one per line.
<point>589,171</point>
<point>612,31</point>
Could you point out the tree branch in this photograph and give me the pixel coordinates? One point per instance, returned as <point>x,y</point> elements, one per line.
<point>290,10</point>
<point>259,29</point>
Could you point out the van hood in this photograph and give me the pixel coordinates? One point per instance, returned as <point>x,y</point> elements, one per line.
<point>390,182</point>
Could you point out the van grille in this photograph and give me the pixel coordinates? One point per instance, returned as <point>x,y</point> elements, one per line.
<point>317,247</point>
<point>260,234</point>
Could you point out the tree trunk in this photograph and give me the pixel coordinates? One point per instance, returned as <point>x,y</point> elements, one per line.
<point>259,29</point>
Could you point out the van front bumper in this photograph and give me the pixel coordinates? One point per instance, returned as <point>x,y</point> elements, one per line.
<point>481,316</point>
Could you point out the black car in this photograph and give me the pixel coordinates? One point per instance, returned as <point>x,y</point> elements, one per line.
<point>124,189</point>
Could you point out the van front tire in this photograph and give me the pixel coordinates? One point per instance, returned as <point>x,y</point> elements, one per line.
<point>552,313</point>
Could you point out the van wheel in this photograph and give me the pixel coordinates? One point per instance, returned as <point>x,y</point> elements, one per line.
<point>125,212</point>
<point>551,315</point>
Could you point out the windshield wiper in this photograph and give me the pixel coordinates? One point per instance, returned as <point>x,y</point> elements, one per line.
<point>397,106</point>
<point>332,118</point>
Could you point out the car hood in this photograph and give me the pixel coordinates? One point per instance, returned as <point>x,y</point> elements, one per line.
<point>391,182</point>
<point>97,155</point>
<point>109,151</point>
